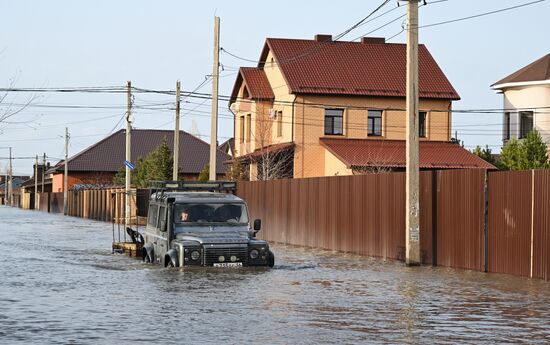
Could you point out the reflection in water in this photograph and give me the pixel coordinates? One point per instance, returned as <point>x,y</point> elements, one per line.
<point>60,284</point>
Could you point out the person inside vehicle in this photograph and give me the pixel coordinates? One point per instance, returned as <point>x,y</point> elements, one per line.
<point>184,216</point>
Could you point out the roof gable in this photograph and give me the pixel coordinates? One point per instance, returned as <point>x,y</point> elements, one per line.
<point>256,83</point>
<point>354,68</point>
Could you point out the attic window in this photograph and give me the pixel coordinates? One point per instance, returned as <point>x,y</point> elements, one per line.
<point>245,93</point>
<point>272,63</point>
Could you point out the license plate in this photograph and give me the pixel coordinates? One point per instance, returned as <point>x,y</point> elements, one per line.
<point>228,264</point>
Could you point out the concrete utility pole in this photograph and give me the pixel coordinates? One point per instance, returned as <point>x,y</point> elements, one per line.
<point>127,209</point>
<point>215,82</point>
<point>43,171</point>
<point>10,182</point>
<point>66,174</point>
<point>36,183</point>
<point>412,256</point>
<point>177,134</point>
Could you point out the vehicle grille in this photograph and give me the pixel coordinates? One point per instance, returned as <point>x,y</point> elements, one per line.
<point>212,254</point>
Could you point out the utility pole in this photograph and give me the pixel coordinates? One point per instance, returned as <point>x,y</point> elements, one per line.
<point>215,82</point>
<point>43,171</point>
<point>177,134</point>
<point>66,174</point>
<point>10,183</point>
<point>412,256</point>
<point>36,183</point>
<point>127,209</point>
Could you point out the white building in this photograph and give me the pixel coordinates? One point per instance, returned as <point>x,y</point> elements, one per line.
<point>526,100</point>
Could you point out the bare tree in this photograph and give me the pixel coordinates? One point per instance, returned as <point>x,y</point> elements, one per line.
<point>373,169</point>
<point>11,108</point>
<point>273,163</point>
<point>376,163</point>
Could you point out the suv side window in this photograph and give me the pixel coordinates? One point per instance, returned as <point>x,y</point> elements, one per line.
<point>162,218</point>
<point>152,220</point>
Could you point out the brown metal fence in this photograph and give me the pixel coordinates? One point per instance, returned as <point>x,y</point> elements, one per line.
<point>460,209</point>
<point>499,222</point>
<point>519,223</point>
<point>366,215</point>
<point>541,225</point>
<point>510,222</point>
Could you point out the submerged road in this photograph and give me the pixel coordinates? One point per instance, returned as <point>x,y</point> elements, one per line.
<point>59,283</point>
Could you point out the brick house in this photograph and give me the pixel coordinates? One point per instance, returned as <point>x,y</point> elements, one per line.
<point>338,108</point>
<point>99,163</point>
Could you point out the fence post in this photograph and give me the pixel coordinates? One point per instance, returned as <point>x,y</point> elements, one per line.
<point>532,221</point>
<point>486,224</point>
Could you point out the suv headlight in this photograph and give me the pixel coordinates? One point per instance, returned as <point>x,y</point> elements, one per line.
<point>254,253</point>
<point>195,255</point>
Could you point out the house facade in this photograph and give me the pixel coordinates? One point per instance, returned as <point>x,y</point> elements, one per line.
<point>307,99</point>
<point>99,163</point>
<point>526,100</point>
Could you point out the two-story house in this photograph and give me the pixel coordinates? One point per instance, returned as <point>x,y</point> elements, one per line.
<point>322,107</point>
<point>526,100</point>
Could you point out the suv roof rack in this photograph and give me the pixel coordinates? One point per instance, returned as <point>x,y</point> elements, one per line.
<point>194,186</point>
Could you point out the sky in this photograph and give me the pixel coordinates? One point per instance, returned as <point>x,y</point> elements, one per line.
<point>56,44</point>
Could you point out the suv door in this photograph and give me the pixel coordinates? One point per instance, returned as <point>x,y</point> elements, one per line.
<point>152,234</point>
<point>162,239</point>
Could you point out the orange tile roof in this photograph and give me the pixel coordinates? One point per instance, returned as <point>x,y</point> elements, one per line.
<point>354,68</point>
<point>391,154</point>
<point>256,83</point>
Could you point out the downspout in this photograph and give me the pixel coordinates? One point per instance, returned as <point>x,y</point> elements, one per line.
<point>449,120</point>
<point>234,125</point>
<point>303,135</point>
<point>292,127</point>
<point>292,134</point>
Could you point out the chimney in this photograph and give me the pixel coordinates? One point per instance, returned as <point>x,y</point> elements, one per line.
<point>323,38</point>
<point>373,40</point>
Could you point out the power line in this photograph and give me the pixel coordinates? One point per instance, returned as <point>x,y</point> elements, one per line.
<point>481,14</point>
<point>354,26</point>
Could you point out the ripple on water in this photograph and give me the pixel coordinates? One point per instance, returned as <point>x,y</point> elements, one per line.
<point>61,284</point>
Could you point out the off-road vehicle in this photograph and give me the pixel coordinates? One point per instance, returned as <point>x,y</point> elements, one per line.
<point>202,224</point>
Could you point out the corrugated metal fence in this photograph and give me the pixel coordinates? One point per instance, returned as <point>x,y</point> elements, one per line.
<point>499,222</point>
<point>366,215</point>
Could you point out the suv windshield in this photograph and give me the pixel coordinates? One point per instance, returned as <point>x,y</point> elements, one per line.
<point>210,213</point>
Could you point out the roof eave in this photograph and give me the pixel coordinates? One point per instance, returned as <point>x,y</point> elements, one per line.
<point>500,87</point>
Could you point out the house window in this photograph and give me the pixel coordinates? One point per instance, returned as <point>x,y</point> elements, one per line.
<point>526,123</point>
<point>242,129</point>
<point>422,124</point>
<point>279,123</point>
<point>248,127</point>
<point>245,93</point>
<point>334,120</point>
<point>507,126</point>
<point>375,123</point>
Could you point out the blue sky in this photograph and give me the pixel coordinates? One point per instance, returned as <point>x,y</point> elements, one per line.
<point>155,43</point>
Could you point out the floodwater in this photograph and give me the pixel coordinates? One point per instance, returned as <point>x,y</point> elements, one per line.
<point>60,284</point>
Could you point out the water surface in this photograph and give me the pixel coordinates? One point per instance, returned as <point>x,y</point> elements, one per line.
<point>59,283</point>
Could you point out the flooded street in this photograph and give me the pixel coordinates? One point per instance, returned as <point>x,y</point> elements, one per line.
<point>61,284</point>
